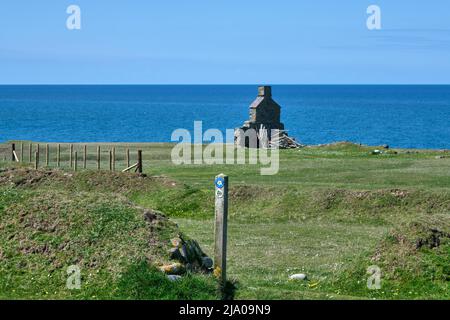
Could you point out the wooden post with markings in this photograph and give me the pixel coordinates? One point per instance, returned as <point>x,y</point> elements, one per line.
<point>220,227</point>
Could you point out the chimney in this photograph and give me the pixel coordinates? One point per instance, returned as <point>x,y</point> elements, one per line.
<point>265,91</point>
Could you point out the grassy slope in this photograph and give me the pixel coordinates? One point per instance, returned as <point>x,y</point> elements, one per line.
<point>326,213</point>
<point>50,220</point>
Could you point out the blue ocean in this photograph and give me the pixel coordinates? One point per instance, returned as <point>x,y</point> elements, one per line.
<point>400,116</point>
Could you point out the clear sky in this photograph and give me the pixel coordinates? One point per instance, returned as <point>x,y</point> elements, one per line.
<point>224,42</point>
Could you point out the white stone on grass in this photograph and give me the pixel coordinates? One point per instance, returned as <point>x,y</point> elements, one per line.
<point>173,277</point>
<point>298,276</point>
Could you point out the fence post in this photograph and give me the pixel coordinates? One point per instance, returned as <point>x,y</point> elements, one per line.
<point>75,165</point>
<point>220,228</point>
<point>98,158</point>
<point>113,159</point>
<point>47,155</point>
<point>36,160</point>
<point>110,160</point>
<point>128,157</point>
<point>85,157</point>
<point>21,152</point>
<point>139,167</point>
<point>13,149</point>
<point>71,155</point>
<point>58,156</point>
<point>38,149</point>
<point>30,151</point>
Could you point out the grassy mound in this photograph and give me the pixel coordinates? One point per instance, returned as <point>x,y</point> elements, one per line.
<point>295,204</point>
<point>413,259</point>
<point>50,220</point>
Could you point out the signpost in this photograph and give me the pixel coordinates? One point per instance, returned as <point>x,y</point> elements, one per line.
<point>220,229</point>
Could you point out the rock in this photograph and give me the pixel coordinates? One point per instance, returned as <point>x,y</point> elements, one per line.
<point>150,216</point>
<point>175,254</point>
<point>173,277</point>
<point>175,268</point>
<point>298,276</point>
<point>376,152</point>
<point>176,242</point>
<point>184,253</point>
<point>207,263</point>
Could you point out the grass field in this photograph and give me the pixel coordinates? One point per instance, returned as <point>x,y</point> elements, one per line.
<point>330,212</point>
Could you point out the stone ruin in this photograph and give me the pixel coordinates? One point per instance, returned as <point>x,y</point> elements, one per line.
<point>264,129</point>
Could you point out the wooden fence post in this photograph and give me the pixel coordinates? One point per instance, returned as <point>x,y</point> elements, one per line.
<point>98,157</point>
<point>13,149</point>
<point>30,152</point>
<point>128,157</point>
<point>139,167</point>
<point>58,156</point>
<point>110,160</point>
<point>220,228</point>
<point>36,160</point>
<point>85,157</point>
<point>113,159</point>
<point>38,149</point>
<point>21,152</point>
<point>47,155</point>
<point>75,165</point>
<point>71,155</point>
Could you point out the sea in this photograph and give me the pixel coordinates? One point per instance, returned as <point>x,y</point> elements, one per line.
<point>399,116</point>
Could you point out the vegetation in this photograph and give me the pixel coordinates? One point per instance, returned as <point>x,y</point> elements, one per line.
<point>331,212</point>
<point>50,220</point>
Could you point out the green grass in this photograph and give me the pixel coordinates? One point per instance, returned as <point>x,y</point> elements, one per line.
<point>52,220</point>
<point>327,213</point>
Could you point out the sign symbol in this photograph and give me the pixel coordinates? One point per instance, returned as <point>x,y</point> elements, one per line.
<point>219,182</point>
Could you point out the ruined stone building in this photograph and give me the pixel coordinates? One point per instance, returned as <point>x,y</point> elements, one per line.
<point>265,116</point>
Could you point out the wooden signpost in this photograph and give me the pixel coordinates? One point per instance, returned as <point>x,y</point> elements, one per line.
<point>220,228</point>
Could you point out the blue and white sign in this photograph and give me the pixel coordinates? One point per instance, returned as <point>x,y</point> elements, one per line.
<point>219,182</point>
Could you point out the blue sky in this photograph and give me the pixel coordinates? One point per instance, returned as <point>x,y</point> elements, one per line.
<point>225,42</point>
